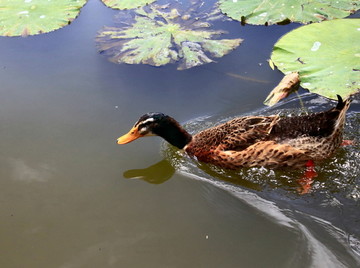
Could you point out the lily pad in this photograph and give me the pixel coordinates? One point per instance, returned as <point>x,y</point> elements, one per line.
<point>159,35</point>
<point>30,17</point>
<point>326,55</point>
<point>276,11</point>
<point>126,4</point>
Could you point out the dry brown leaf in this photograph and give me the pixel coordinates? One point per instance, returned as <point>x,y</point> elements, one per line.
<point>287,85</point>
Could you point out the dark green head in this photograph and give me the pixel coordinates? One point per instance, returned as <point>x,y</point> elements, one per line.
<point>157,124</point>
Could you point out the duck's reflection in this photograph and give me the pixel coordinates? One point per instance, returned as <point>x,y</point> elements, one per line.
<point>164,170</point>
<point>155,174</point>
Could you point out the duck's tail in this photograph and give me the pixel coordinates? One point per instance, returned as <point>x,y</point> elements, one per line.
<point>342,108</point>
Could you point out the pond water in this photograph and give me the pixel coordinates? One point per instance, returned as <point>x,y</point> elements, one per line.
<point>71,197</point>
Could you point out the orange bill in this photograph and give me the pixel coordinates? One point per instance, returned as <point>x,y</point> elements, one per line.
<point>132,135</point>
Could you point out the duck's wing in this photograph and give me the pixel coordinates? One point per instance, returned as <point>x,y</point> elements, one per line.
<point>240,133</point>
<point>322,124</point>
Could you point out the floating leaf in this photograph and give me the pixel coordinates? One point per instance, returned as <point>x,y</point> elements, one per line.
<point>276,11</point>
<point>287,85</point>
<point>160,35</point>
<point>326,55</point>
<point>126,4</point>
<point>271,64</point>
<point>30,17</point>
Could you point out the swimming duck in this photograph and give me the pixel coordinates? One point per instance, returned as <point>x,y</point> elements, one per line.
<point>270,141</point>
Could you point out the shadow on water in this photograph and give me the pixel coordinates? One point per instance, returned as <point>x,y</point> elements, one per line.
<point>331,204</point>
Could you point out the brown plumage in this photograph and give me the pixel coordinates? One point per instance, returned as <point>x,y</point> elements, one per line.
<point>250,141</point>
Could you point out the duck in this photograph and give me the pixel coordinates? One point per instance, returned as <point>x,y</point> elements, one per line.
<point>252,141</point>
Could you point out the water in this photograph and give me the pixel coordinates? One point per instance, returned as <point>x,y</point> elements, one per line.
<point>68,199</point>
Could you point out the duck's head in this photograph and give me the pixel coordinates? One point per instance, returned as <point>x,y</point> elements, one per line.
<point>157,124</point>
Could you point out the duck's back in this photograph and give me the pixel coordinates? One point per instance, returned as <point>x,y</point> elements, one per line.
<point>318,134</point>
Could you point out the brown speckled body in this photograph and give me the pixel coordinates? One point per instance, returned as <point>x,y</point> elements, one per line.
<point>271,141</point>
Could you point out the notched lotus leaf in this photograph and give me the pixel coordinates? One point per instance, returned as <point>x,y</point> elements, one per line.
<point>326,55</point>
<point>126,4</point>
<point>261,12</point>
<point>30,17</point>
<point>159,35</point>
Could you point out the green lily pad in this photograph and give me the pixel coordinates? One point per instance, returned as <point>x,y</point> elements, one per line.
<point>30,17</point>
<point>126,4</point>
<point>276,11</point>
<point>326,55</point>
<point>160,35</point>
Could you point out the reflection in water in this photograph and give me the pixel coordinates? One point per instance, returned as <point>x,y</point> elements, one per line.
<point>165,169</point>
<point>155,174</point>
<point>21,171</point>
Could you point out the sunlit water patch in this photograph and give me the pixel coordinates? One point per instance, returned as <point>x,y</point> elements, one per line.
<point>326,215</point>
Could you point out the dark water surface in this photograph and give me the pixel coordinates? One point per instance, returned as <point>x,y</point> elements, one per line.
<point>67,199</point>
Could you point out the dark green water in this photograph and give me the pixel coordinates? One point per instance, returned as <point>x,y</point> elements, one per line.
<point>67,198</point>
